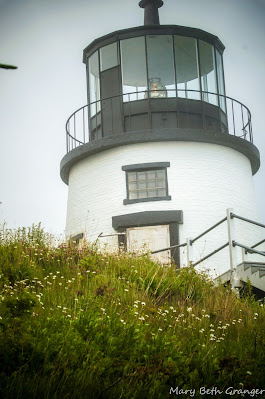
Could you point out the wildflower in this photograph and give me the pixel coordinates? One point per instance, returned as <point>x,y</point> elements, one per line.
<point>256,314</point>
<point>160,329</point>
<point>202,330</point>
<point>126,290</point>
<point>189,309</point>
<point>143,303</point>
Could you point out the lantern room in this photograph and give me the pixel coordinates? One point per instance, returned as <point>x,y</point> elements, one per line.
<point>153,77</point>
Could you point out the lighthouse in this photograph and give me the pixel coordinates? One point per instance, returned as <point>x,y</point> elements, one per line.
<point>159,152</point>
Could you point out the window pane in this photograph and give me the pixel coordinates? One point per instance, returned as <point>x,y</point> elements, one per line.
<point>161,174</point>
<point>94,85</point>
<point>220,78</point>
<point>142,194</point>
<point>161,192</point>
<point>133,195</point>
<point>108,57</point>
<point>133,186</point>
<point>142,185</point>
<point>151,184</point>
<point>160,66</point>
<point>152,193</point>
<point>132,176</point>
<point>161,183</point>
<point>133,64</point>
<point>186,60</point>
<point>141,175</point>
<point>151,174</point>
<point>207,64</point>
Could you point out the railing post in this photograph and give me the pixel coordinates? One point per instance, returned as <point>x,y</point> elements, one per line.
<point>235,282</point>
<point>189,251</point>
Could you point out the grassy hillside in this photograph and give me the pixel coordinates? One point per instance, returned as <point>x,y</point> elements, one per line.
<point>82,323</point>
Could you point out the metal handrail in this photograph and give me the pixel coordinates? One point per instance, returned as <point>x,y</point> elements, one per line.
<point>233,215</point>
<point>245,127</point>
<point>166,249</point>
<point>210,254</point>
<point>248,249</point>
<point>207,231</point>
<point>258,243</point>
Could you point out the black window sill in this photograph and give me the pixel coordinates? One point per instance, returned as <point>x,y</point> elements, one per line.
<point>135,201</point>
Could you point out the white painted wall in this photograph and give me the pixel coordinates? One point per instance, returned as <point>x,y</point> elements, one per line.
<point>203,179</point>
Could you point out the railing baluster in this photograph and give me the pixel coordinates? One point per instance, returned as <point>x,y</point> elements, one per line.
<point>96,106</point>
<point>74,130</point>
<point>84,125</point>
<point>130,126</point>
<point>233,117</point>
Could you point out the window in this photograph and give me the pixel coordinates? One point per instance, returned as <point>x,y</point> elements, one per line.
<point>161,77</point>
<point>220,79</point>
<point>108,57</point>
<point>94,84</point>
<point>186,59</point>
<point>133,61</point>
<point>208,74</point>
<point>146,182</point>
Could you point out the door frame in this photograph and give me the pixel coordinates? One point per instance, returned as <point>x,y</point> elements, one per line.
<point>151,218</point>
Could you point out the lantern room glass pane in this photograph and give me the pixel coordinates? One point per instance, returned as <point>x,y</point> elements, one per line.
<point>220,79</point>
<point>186,60</point>
<point>161,76</point>
<point>133,65</point>
<point>208,73</point>
<point>94,84</point>
<point>108,57</point>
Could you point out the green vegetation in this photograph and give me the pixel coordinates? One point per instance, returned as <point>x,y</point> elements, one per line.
<point>82,323</point>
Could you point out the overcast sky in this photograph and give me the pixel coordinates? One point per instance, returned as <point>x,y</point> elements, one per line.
<point>46,38</point>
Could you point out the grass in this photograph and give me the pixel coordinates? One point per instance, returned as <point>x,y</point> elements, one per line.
<point>83,323</point>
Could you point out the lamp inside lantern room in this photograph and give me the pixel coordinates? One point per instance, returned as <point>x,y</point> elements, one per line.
<point>156,88</point>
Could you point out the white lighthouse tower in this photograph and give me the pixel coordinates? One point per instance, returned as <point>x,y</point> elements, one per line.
<point>160,152</point>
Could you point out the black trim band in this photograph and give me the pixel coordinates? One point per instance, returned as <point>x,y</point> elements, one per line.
<point>160,135</point>
<point>146,166</point>
<point>148,218</point>
<point>134,201</point>
<point>152,30</point>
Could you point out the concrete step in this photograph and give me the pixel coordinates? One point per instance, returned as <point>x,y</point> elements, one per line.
<point>254,271</point>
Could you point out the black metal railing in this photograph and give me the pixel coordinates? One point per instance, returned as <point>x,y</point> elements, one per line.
<point>189,109</point>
